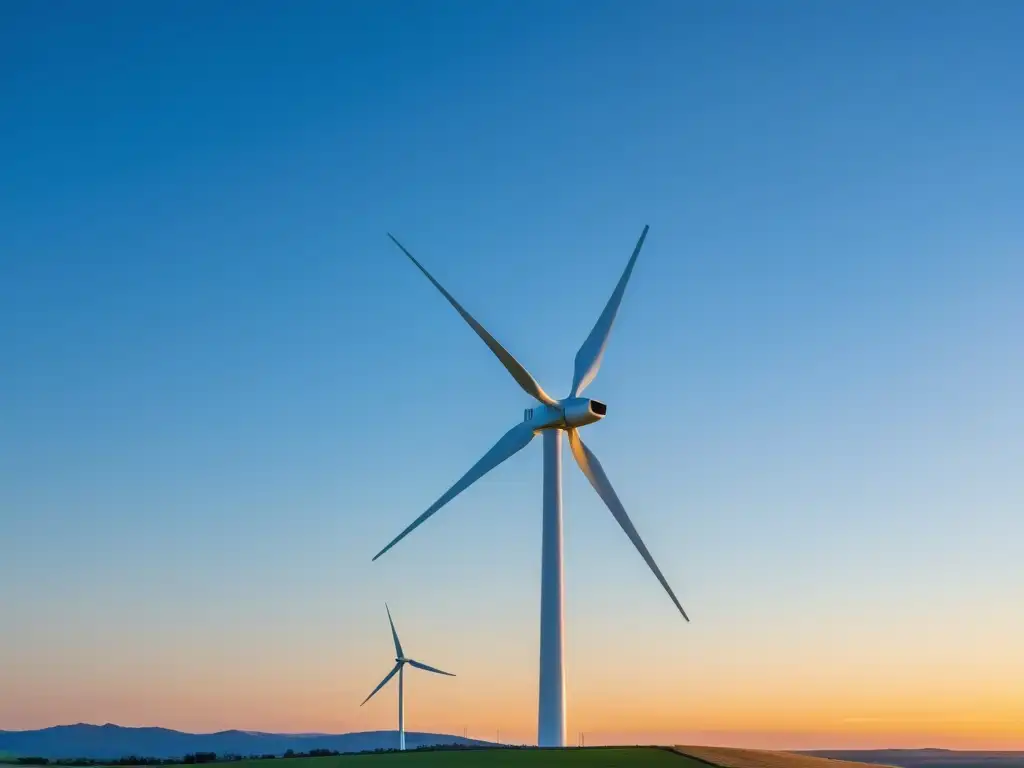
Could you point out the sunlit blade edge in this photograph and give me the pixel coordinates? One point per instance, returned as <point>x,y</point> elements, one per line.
<point>592,468</point>
<point>513,366</point>
<point>588,358</point>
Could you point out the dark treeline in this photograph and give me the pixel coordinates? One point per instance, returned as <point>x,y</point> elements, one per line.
<point>212,757</point>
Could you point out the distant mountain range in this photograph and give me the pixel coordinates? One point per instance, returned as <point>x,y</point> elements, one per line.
<point>100,742</point>
<point>109,741</point>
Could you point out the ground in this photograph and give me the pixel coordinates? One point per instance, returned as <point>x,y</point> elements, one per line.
<point>619,757</point>
<point>728,757</point>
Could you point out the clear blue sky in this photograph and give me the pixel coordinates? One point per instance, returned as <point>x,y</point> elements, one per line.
<point>223,390</point>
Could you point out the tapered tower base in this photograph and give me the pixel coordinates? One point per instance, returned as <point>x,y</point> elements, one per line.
<point>551,708</point>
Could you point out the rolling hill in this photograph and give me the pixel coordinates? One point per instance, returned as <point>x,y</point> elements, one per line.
<point>728,757</point>
<point>928,758</point>
<point>723,757</point>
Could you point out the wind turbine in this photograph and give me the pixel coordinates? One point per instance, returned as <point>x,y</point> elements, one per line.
<point>400,661</point>
<point>551,417</point>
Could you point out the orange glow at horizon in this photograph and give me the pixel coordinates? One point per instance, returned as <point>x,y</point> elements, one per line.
<point>788,722</point>
<point>856,685</point>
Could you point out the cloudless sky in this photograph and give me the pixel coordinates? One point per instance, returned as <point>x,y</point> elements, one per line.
<point>222,389</point>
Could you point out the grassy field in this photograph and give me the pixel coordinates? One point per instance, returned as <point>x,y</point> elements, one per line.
<point>726,757</point>
<point>624,757</point>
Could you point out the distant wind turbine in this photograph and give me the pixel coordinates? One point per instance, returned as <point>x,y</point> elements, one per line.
<point>400,662</point>
<point>552,417</point>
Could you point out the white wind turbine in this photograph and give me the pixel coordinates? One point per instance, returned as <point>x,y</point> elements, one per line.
<point>400,662</point>
<point>552,417</point>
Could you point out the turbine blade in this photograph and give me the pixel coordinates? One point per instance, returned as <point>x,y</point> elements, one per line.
<point>421,665</point>
<point>513,366</point>
<point>511,443</point>
<point>382,683</point>
<point>588,359</point>
<point>394,634</point>
<point>595,474</point>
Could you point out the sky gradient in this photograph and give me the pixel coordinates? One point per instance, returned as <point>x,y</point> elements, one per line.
<point>224,390</point>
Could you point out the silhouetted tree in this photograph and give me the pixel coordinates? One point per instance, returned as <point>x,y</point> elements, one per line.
<point>200,757</point>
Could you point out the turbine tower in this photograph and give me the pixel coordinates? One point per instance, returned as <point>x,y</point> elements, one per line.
<point>551,417</point>
<point>400,662</point>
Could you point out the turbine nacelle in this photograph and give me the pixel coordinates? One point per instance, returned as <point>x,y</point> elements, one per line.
<point>580,411</point>
<point>570,413</point>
